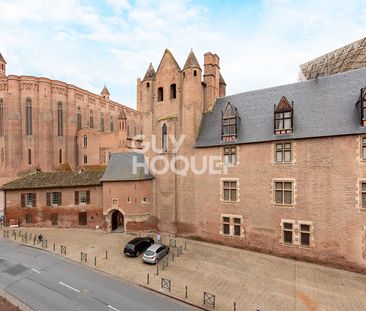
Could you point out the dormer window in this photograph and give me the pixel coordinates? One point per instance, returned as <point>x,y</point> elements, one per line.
<point>362,102</point>
<point>230,123</point>
<point>283,117</point>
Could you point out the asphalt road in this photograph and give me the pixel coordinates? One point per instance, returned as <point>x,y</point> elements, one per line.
<point>46,282</point>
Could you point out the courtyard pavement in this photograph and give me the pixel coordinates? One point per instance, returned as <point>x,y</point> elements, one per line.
<point>252,280</point>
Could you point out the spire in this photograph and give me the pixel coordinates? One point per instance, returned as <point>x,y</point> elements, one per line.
<point>105,91</point>
<point>2,59</point>
<point>191,61</point>
<point>150,73</point>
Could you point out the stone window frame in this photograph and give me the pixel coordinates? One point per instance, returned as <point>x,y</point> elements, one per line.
<point>232,224</point>
<point>223,163</point>
<point>360,192</point>
<point>283,229</point>
<point>296,234</point>
<point>293,181</point>
<point>222,180</point>
<point>364,242</point>
<point>292,152</point>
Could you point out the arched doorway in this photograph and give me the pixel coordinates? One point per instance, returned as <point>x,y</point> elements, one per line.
<point>117,221</point>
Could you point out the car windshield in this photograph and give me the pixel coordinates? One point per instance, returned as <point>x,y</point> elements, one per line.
<point>149,253</point>
<point>130,247</point>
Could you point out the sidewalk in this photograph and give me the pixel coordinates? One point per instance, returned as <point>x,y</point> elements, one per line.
<point>252,280</point>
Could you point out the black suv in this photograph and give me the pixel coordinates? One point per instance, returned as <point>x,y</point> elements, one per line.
<point>137,246</point>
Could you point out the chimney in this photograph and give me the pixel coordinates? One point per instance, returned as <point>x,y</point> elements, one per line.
<point>211,78</point>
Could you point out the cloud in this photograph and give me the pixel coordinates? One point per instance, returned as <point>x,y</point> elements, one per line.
<point>89,43</point>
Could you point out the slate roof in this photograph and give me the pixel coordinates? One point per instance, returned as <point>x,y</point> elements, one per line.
<point>322,107</point>
<point>121,167</point>
<point>191,61</point>
<point>41,180</point>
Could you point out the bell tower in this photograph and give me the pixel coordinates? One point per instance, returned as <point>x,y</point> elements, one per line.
<point>2,66</point>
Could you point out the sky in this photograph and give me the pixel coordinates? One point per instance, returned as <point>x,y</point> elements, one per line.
<point>97,42</point>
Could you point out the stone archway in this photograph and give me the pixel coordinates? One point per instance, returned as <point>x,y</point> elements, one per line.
<point>117,220</point>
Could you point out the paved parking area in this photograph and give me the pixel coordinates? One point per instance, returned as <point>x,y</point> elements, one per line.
<point>252,280</point>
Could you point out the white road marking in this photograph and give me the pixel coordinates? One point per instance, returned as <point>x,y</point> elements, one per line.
<point>35,270</point>
<point>68,286</point>
<point>113,308</point>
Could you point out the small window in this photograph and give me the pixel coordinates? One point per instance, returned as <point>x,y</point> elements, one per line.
<point>60,160</point>
<point>85,159</point>
<point>231,226</point>
<point>147,84</point>
<point>287,233</point>
<point>363,195</point>
<point>28,219</point>
<point>55,198</point>
<point>173,91</point>
<point>30,200</point>
<point>91,119</point>
<point>160,94</point>
<point>83,218</point>
<point>79,125</point>
<point>28,117</point>
<point>230,155</point>
<point>102,122</point>
<point>230,191</point>
<point>128,200</point>
<point>144,200</point>
<point>2,155</point>
<point>195,73</point>
<point>164,138</point>
<point>226,225</point>
<point>112,124</point>
<point>363,148</point>
<point>54,219</point>
<point>60,128</point>
<point>1,117</point>
<point>83,197</point>
<point>283,152</point>
<point>85,141</point>
<point>29,157</point>
<point>305,235</point>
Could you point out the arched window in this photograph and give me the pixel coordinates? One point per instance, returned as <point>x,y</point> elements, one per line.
<point>85,159</point>
<point>102,122</point>
<point>29,157</point>
<point>1,117</point>
<point>283,117</point>
<point>164,138</point>
<point>28,116</point>
<point>173,91</point>
<point>91,119</point>
<point>160,94</point>
<point>79,119</point>
<point>85,141</point>
<point>112,124</point>
<point>230,123</point>
<point>60,128</point>
<point>60,156</point>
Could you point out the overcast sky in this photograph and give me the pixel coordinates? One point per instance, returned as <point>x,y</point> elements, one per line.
<point>89,43</point>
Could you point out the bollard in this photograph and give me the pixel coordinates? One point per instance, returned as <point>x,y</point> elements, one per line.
<point>157,269</point>
<point>54,246</point>
<point>185,246</point>
<point>148,279</point>
<point>234,306</point>
<point>186,292</point>
<point>106,254</point>
<point>95,261</point>
<point>172,256</point>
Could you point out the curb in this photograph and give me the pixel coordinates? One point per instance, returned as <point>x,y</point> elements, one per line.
<point>15,302</point>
